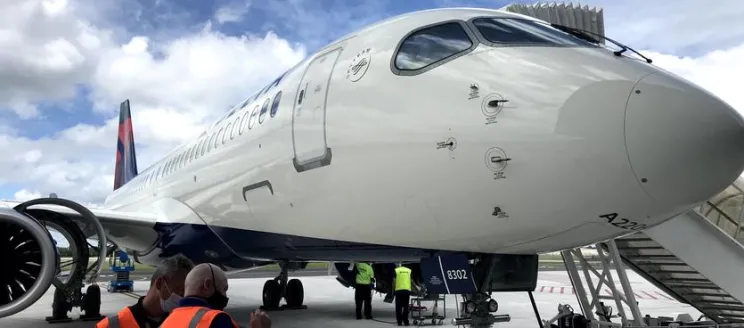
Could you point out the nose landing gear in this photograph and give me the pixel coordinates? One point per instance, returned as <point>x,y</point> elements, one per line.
<point>477,311</point>
<point>282,287</point>
<point>495,273</point>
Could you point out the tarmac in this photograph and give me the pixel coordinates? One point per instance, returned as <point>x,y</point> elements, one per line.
<point>331,305</point>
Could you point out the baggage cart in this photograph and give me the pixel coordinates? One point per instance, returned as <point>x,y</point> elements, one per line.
<point>432,312</point>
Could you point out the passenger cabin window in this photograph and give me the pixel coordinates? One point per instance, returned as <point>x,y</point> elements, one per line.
<point>236,125</point>
<point>204,146</point>
<point>206,142</point>
<point>228,129</point>
<point>217,137</point>
<point>264,110</point>
<point>252,119</point>
<point>430,45</point>
<point>525,31</point>
<point>243,122</point>
<point>275,104</point>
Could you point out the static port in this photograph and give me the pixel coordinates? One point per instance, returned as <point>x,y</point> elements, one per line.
<point>499,159</point>
<point>496,159</point>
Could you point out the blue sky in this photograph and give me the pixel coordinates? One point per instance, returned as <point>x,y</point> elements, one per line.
<point>184,62</point>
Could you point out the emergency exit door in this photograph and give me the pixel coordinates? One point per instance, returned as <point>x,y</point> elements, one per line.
<point>309,118</point>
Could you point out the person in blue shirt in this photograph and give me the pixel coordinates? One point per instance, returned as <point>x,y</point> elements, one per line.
<point>205,297</point>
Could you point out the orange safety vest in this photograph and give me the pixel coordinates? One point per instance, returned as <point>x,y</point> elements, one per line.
<point>192,317</point>
<point>123,319</point>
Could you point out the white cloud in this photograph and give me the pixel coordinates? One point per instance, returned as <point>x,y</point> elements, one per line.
<point>24,195</point>
<point>198,75</point>
<point>175,88</point>
<point>231,13</point>
<point>45,51</point>
<point>720,72</point>
<point>674,27</point>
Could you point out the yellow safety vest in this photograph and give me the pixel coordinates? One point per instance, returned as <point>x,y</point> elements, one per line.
<point>402,278</point>
<point>365,274</point>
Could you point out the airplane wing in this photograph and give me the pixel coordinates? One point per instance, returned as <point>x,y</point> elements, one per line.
<point>104,215</point>
<point>136,228</point>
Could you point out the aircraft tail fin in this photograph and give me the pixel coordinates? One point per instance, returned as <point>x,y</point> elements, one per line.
<point>126,157</point>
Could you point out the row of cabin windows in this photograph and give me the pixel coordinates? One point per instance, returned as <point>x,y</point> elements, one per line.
<point>436,43</point>
<point>255,97</point>
<point>233,129</point>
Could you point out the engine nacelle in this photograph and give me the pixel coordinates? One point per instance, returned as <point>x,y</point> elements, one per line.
<point>30,261</point>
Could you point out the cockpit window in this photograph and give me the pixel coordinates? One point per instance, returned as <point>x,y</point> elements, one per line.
<point>431,45</point>
<point>525,31</point>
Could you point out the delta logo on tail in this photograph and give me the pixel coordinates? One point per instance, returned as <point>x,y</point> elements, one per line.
<point>126,158</point>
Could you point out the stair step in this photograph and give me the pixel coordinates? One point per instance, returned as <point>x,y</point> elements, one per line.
<point>684,279</point>
<point>733,315</point>
<point>723,307</point>
<point>715,302</point>
<point>628,247</point>
<point>633,238</point>
<point>692,286</point>
<point>706,294</point>
<point>672,272</point>
<point>652,257</point>
<point>646,263</point>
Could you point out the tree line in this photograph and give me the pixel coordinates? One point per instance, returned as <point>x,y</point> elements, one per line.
<point>67,252</point>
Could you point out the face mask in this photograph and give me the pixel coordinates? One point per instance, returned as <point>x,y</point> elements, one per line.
<point>172,301</point>
<point>217,301</point>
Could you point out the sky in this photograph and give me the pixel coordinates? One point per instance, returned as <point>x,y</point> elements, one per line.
<point>65,65</point>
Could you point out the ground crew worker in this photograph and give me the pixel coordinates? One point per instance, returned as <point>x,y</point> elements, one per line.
<point>205,298</point>
<point>402,291</point>
<point>363,289</point>
<point>166,289</point>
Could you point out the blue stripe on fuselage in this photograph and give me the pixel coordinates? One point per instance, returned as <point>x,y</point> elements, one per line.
<point>205,244</point>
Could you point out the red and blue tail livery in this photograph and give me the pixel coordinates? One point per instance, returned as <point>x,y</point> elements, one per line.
<point>126,158</point>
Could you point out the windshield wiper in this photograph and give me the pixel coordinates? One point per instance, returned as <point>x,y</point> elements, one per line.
<point>588,36</point>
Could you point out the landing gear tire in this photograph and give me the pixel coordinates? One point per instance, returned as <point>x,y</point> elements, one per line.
<point>295,293</point>
<point>272,294</point>
<point>60,306</point>
<point>92,304</point>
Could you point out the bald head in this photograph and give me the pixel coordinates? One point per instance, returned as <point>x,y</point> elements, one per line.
<point>204,279</point>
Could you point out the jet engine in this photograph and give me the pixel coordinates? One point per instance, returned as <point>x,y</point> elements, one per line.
<point>30,261</point>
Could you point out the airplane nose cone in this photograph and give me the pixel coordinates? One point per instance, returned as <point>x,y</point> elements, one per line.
<point>684,144</point>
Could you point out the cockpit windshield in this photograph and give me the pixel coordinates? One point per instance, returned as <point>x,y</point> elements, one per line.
<point>517,31</point>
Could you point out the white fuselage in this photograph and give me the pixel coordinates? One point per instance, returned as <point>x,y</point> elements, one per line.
<point>414,158</point>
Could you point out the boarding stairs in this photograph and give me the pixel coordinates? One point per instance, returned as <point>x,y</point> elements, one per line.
<point>694,258</point>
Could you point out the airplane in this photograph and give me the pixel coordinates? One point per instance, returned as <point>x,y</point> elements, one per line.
<point>444,134</point>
